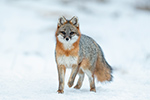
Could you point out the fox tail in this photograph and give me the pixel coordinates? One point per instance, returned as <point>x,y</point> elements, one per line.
<point>103,70</point>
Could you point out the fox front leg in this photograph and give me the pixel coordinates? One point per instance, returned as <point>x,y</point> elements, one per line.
<point>74,72</point>
<point>61,77</point>
<point>80,80</point>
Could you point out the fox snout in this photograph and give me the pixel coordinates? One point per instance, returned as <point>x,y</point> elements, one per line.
<point>67,39</point>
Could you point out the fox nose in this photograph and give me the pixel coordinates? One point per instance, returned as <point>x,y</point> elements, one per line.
<point>67,39</point>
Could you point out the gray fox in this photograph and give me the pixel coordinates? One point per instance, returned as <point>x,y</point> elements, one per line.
<point>79,52</point>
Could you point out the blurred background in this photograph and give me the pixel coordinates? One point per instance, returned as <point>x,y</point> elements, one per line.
<point>27,44</point>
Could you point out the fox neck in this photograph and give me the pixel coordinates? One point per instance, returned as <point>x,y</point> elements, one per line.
<point>68,45</point>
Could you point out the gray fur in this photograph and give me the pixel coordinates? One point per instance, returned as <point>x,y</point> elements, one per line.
<point>89,49</point>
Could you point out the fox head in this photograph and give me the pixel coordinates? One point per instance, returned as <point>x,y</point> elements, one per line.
<point>68,30</point>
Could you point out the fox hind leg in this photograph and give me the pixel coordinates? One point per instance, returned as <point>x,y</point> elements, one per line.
<point>89,71</point>
<point>91,79</point>
<point>80,80</point>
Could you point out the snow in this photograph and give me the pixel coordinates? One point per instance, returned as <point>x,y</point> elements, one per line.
<point>27,44</point>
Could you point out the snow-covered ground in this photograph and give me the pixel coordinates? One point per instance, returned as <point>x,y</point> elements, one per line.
<point>27,43</point>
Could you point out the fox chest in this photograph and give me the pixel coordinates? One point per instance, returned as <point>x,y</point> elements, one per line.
<point>67,61</point>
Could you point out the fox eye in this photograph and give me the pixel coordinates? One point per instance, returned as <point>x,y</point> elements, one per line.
<point>72,33</point>
<point>63,32</point>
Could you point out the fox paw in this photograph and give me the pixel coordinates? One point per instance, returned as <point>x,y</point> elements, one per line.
<point>60,91</point>
<point>77,87</point>
<point>70,84</point>
<point>92,90</point>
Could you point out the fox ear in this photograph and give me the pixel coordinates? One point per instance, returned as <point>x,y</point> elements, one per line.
<point>74,21</point>
<point>61,20</point>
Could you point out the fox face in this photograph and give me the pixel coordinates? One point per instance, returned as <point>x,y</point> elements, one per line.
<point>67,31</point>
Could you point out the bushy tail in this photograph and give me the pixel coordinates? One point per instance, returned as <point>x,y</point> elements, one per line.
<point>103,70</point>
